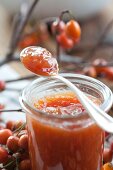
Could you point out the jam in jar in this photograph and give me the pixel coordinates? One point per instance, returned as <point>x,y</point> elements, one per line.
<point>62,136</point>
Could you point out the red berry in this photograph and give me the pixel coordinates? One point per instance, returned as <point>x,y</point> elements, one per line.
<point>90,71</point>
<point>10,125</point>
<point>3,155</point>
<point>12,143</point>
<point>23,142</point>
<point>107,155</point>
<point>64,41</point>
<point>109,73</point>
<point>4,135</point>
<point>73,30</point>
<point>106,134</point>
<point>102,69</point>
<point>58,27</point>
<point>107,166</point>
<point>2,85</point>
<point>29,40</point>
<point>25,165</point>
<point>111,146</point>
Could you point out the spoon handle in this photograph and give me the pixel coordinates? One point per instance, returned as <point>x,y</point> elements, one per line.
<point>99,116</point>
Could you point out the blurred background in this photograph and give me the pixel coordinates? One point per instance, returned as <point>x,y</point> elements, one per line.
<point>83,10</point>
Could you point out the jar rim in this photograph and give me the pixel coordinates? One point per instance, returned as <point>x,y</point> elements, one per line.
<point>106,105</point>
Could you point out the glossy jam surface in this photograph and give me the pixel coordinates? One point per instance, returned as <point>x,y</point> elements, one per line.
<point>39,61</point>
<point>64,103</point>
<point>64,144</point>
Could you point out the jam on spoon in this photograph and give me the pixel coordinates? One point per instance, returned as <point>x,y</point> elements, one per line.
<point>39,61</point>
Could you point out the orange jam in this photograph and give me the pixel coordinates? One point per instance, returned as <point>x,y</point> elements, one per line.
<point>74,143</point>
<point>39,61</point>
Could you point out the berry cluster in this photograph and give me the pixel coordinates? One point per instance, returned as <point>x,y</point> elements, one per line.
<point>99,68</point>
<point>67,35</point>
<point>14,146</point>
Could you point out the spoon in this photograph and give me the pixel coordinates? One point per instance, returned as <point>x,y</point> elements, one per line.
<point>40,61</point>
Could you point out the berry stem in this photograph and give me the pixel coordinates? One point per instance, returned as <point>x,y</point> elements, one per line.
<point>12,110</point>
<point>66,12</point>
<point>58,53</point>
<point>9,164</point>
<point>20,128</point>
<point>25,13</point>
<point>17,164</point>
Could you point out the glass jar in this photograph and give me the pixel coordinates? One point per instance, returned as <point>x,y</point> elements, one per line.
<point>64,142</point>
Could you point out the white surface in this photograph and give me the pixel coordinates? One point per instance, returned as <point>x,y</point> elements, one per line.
<point>10,98</point>
<point>47,8</point>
